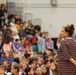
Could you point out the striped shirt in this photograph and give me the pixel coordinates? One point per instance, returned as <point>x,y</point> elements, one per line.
<point>66,51</point>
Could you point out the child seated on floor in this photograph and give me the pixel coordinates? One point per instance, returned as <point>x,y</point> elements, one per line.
<point>17,47</point>
<point>27,46</point>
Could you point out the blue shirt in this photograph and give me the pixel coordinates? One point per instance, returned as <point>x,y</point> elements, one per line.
<point>10,59</point>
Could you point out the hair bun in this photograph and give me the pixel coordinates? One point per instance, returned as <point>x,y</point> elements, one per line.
<point>71,26</point>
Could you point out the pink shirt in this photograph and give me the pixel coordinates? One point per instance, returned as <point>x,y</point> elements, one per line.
<point>6,47</point>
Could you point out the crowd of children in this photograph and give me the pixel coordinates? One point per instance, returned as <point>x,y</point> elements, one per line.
<point>24,49</point>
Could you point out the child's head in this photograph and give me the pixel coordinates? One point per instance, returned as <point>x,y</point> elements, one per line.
<point>16,60</point>
<point>6,63</point>
<point>32,27</point>
<point>46,34</point>
<point>29,22</point>
<point>54,66</point>
<point>13,20</point>
<point>27,56</point>
<point>22,39</point>
<point>2,69</point>
<point>5,15</point>
<point>49,39</point>
<point>24,65</point>
<point>21,17</point>
<point>34,65</point>
<point>16,55</point>
<point>18,21</point>
<point>27,41</point>
<point>4,27</point>
<point>29,27</point>
<point>23,62</point>
<point>47,57</point>
<point>53,55</point>
<point>16,16</point>
<point>23,27</point>
<point>38,33</point>
<point>18,41</point>
<point>29,71</point>
<point>8,54</point>
<point>3,7</point>
<point>42,35</point>
<point>40,60</point>
<point>47,63</point>
<point>38,71</point>
<point>1,63</point>
<point>9,27</point>
<point>15,69</point>
<point>24,23</point>
<point>44,69</point>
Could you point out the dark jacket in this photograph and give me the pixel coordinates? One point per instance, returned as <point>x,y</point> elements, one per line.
<point>5,22</point>
<point>22,33</point>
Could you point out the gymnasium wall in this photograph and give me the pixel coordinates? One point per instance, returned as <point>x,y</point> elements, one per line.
<point>53,18</point>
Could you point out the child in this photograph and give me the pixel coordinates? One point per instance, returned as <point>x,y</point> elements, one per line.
<point>17,47</point>
<point>49,44</point>
<point>7,64</point>
<point>27,46</point>
<point>7,45</point>
<point>29,71</point>
<point>38,71</point>
<point>8,57</point>
<point>23,67</point>
<point>15,69</point>
<point>55,69</point>
<point>15,35</point>
<point>42,43</point>
<point>2,70</point>
<point>34,43</point>
<point>34,65</point>
<point>45,70</point>
<point>46,35</point>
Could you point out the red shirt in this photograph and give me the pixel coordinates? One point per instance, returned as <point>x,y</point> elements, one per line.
<point>33,40</point>
<point>27,47</point>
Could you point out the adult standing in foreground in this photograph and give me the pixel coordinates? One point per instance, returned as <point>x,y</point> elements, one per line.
<point>67,52</point>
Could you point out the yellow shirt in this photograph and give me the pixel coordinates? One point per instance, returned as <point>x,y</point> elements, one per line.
<point>18,27</point>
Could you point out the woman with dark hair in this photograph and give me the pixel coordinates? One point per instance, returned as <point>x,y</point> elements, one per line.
<point>71,26</point>
<point>67,52</point>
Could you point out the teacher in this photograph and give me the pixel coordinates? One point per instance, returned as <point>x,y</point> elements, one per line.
<point>67,52</point>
